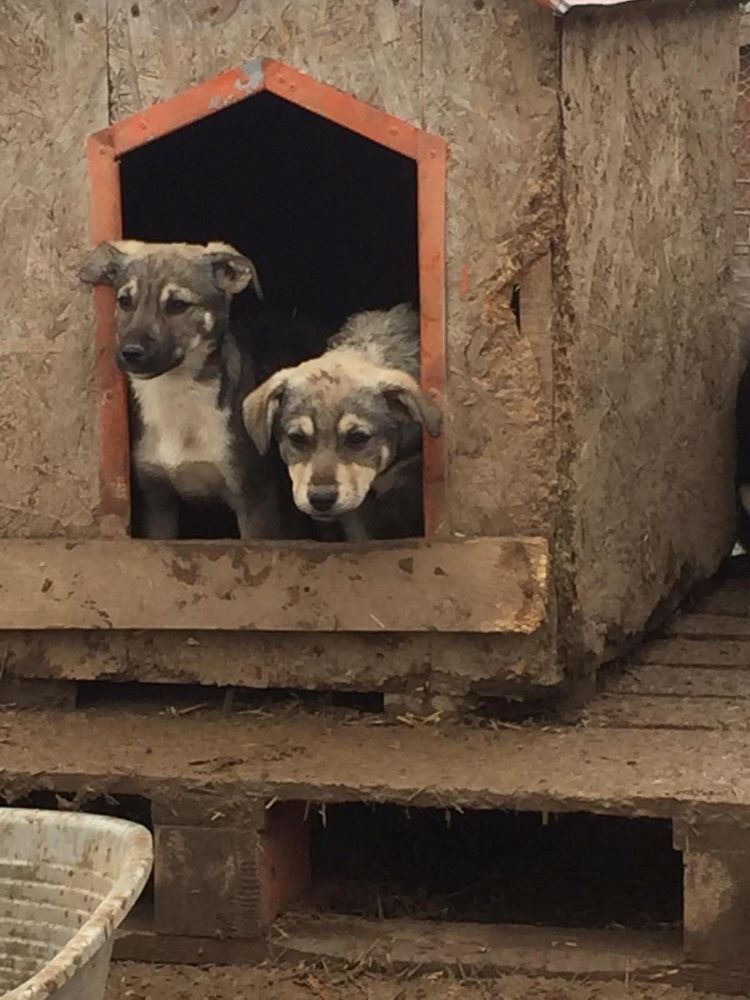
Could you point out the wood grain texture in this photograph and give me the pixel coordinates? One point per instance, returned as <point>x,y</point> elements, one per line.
<point>482,949</point>
<point>645,283</point>
<point>696,652</point>
<point>682,682</point>
<point>303,756</point>
<point>171,44</point>
<point>490,89</point>
<point>427,663</point>
<point>625,711</point>
<point>206,881</point>
<point>489,585</point>
<point>717,900</point>
<point>54,93</point>
<point>702,626</point>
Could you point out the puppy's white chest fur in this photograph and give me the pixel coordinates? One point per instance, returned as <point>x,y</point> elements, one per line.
<point>185,435</point>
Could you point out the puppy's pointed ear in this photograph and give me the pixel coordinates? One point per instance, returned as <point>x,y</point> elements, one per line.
<point>405,396</point>
<point>260,409</point>
<point>232,271</point>
<point>104,266</point>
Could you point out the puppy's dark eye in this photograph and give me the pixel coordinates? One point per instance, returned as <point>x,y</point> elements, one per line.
<point>125,301</point>
<point>357,439</point>
<point>298,439</point>
<point>175,307</point>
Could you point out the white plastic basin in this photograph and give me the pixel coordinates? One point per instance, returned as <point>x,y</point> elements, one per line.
<point>67,880</point>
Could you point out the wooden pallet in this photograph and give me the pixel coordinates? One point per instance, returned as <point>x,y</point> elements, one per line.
<point>696,675</point>
<point>228,795</point>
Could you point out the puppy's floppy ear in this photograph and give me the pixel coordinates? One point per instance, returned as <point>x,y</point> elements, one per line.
<point>405,396</point>
<point>260,409</point>
<point>232,271</point>
<point>103,266</point>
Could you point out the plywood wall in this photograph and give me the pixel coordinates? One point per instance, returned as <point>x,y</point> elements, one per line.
<point>646,352</point>
<point>482,74</point>
<point>53,60</point>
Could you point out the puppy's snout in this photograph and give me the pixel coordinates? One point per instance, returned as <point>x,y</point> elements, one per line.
<point>137,352</point>
<point>132,353</point>
<point>145,355</point>
<point>322,498</point>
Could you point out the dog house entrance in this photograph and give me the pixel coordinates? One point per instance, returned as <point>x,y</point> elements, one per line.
<point>331,214</point>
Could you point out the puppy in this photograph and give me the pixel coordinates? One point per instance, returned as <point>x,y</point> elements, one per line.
<point>188,374</point>
<point>349,427</point>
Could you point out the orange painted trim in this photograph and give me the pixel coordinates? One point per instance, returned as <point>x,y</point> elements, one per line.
<point>431,212</point>
<point>186,108</point>
<point>111,391</point>
<point>341,108</point>
<point>430,154</point>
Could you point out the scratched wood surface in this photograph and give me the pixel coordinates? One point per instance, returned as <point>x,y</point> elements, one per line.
<point>646,307</point>
<point>54,73</point>
<point>160,47</point>
<point>489,585</point>
<point>490,89</point>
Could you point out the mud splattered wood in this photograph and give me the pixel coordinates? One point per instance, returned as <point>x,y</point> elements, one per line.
<point>632,711</point>
<point>480,948</point>
<point>303,757</point>
<point>693,652</point>
<point>206,881</point>
<point>717,892</point>
<point>383,661</point>
<point>54,93</point>
<point>699,626</point>
<point>642,514</point>
<point>502,215</point>
<point>731,597</point>
<point>689,682</point>
<point>487,585</point>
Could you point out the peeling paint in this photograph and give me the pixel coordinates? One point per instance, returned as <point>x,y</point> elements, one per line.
<point>253,69</point>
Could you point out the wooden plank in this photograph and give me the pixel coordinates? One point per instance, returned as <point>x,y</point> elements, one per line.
<point>480,948</point>
<point>683,682</point>
<point>707,838</point>
<point>730,597</point>
<point>54,69</point>
<point>650,519</point>
<point>695,652</point>
<point>136,941</point>
<point>507,664</point>
<point>206,881</point>
<point>298,756</point>
<point>643,712</point>
<point>483,585</point>
<point>489,87</point>
<point>316,37</point>
<point>257,978</point>
<point>717,903</point>
<point>700,626</point>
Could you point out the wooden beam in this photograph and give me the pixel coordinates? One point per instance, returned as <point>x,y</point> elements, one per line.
<point>489,585</point>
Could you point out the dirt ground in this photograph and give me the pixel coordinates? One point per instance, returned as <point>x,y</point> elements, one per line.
<point>142,982</point>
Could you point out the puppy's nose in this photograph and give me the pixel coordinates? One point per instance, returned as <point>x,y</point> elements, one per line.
<point>131,353</point>
<point>322,498</point>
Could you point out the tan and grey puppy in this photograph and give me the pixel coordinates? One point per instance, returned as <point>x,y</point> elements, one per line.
<point>348,425</point>
<point>188,375</point>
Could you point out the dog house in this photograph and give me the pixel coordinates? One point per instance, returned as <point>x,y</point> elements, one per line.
<point>555,191</point>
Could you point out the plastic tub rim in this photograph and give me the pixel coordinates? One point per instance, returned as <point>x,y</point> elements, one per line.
<point>93,935</point>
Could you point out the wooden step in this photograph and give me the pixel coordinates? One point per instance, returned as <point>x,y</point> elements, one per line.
<point>230,795</point>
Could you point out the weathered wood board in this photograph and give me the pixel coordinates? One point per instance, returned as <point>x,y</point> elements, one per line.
<point>503,174</point>
<point>486,585</point>
<point>446,663</point>
<point>54,82</point>
<point>647,362</point>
